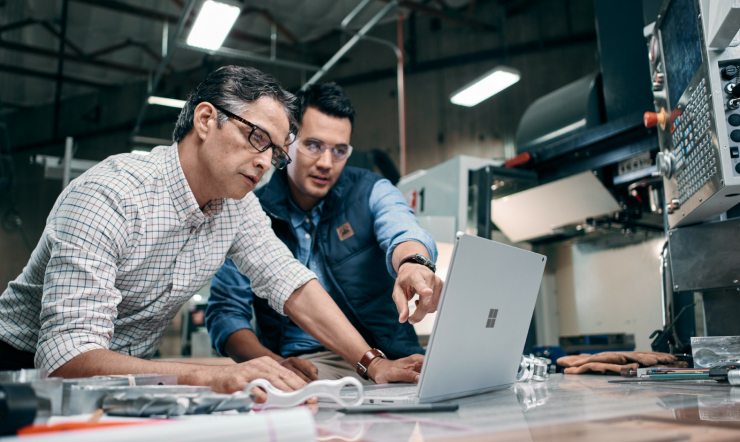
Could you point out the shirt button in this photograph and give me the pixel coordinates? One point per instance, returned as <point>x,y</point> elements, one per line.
<point>308,235</point>
<point>307,221</point>
<point>169,287</point>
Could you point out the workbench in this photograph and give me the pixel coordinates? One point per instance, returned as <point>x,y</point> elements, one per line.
<point>571,408</point>
<point>564,408</point>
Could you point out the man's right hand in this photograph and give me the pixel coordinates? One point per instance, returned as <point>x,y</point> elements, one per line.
<point>232,378</point>
<point>303,368</point>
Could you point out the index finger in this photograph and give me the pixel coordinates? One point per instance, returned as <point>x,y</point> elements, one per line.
<point>426,300</point>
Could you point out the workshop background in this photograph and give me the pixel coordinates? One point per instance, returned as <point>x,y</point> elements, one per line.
<point>83,69</point>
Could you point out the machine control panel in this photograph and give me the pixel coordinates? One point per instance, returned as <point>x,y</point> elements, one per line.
<point>697,112</point>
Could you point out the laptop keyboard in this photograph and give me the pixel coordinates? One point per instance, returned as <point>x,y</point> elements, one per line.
<point>393,392</point>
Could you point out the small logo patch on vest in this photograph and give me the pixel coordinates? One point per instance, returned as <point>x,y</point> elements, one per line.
<point>345,231</point>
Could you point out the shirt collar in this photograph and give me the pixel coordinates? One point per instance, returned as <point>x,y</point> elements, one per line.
<point>182,196</point>
<point>298,216</point>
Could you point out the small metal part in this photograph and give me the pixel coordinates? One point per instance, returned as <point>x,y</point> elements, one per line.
<point>84,395</point>
<point>733,376</point>
<point>533,368</point>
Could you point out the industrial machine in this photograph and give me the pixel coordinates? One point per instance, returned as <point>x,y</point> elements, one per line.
<point>694,53</point>
<point>593,158</point>
<point>694,57</point>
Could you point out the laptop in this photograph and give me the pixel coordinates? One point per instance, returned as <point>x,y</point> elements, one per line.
<point>482,323</point>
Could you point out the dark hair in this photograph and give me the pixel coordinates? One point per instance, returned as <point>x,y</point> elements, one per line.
<point>329,98</point>
<point>233,88</point>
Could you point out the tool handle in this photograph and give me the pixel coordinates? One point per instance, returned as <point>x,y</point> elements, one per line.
<point>330,389</point>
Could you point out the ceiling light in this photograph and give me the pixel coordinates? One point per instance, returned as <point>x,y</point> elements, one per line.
<point>171,102</point>
<point>485,86</point>
<point>212,25</point>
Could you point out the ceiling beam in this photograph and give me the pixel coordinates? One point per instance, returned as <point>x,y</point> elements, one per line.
<point>269,18</point>
<point>72,58</point>
<point>53,77</point>
<point>46,25</point>
<point>153,14</point>
<point>470,58</point>
<point>446,14</point>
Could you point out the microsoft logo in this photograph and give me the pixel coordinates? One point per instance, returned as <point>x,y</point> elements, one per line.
<point>492,318</point>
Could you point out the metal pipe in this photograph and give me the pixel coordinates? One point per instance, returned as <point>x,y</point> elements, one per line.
<point>251,56</point>
<point>165,38</point>
<point>401,98</point>
<point>163,64</point>
<point>67,161</point>
<point>353,41</point>
<point>351,16</point>
<point>273,40</point>
<point>53,77</point>
<point>663,295</point>
<point>43,52</point>
<point>60,69</point>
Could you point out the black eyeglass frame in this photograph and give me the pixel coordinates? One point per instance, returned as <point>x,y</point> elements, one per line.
<point>254,127</point>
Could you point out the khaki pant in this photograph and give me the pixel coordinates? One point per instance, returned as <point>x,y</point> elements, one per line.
<point>331,366</point>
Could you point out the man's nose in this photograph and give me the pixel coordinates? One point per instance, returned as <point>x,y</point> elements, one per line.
<point>264,160</point>
<point>324,161</point>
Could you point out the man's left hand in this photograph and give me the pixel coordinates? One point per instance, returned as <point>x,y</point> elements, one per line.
<point>383,371</point>
<point>412,279</point>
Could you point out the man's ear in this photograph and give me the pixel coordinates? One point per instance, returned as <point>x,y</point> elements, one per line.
<point>203,118</point>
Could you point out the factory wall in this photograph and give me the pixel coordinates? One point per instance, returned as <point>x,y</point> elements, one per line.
<point>437,130</point>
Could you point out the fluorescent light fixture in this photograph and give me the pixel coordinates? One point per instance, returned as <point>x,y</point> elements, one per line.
<point>485,86</point>
<point>170,102</point>
<point>212,25</point>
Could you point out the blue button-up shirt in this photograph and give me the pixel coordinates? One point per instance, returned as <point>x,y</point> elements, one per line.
<point>230,303</point>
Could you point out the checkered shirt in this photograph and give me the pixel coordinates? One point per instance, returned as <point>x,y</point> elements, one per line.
<point>125,246</point>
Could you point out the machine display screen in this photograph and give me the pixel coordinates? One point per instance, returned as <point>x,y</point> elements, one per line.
<point>679,32</point>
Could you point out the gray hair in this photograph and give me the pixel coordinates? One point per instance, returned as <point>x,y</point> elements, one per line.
<point>233,88</point>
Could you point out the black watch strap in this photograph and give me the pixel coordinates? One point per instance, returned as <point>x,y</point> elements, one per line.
<point>419,259</point>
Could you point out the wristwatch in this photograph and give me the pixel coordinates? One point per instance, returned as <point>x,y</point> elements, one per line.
<point>419,259</point>
<point>366,360</point>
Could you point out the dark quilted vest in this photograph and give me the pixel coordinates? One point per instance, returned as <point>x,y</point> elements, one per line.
<point>355,268</point>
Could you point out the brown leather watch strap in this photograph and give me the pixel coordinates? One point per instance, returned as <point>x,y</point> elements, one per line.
<point>367,358</point>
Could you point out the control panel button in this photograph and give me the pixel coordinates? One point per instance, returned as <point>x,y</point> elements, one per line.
<point>652,119</point>
<point>737,167</point>
<point>729,72</point>
<point>735,135</point>
<point>735,152</point>
<point>734,120</point>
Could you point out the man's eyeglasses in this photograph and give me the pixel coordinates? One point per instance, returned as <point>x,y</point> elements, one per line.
<point>261,141</point>
<point>316,148</point>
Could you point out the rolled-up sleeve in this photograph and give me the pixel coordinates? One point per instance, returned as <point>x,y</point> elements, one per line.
<point>85,236</point>
<point>395,223</point>
<point>259,255</point>
<point>229,305</point>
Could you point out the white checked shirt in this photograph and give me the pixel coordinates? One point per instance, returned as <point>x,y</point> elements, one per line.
<point>124,247</point>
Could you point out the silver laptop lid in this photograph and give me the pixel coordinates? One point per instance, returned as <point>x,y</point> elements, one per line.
<point>483,319</point>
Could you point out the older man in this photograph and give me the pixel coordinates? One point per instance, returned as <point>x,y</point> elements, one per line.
<point>349,226</point>
<point>132,239</point>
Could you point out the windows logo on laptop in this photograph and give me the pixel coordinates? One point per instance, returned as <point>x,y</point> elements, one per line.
<point>492,318</point>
